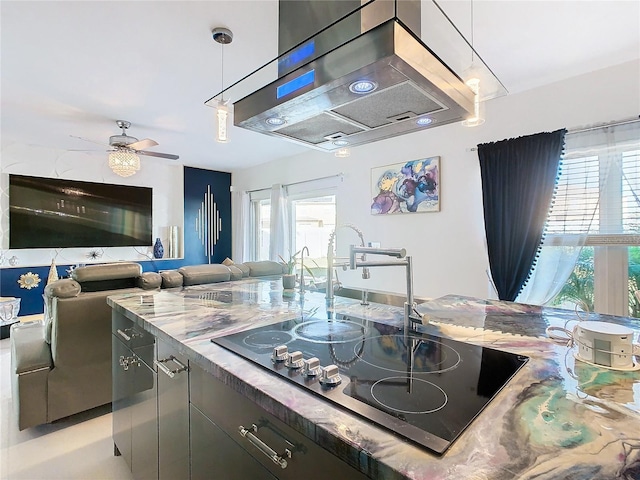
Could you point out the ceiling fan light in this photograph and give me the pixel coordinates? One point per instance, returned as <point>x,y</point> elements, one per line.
<point>124,163</point>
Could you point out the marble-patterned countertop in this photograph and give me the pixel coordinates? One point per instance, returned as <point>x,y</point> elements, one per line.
<point>557,418</point>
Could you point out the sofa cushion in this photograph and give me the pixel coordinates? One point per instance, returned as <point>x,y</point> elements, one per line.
<point>108,276</point>
<point>171,278</point>
<point>265,267</point>
<point>245,270</point>
<point>228,262</point>
<point>107,271</point>
<point>149,280</point>
<point>208,273</point>
<point>63,288</point>
<point>236,273</point>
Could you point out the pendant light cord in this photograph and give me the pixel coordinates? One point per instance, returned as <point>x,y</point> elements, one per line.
<point>472,49</point>
<point>222,71</point>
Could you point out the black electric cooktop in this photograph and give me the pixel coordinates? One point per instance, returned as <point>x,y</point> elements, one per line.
<point>422,387</point>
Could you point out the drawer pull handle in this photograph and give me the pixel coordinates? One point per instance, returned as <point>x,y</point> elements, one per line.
<point>249,434</point>
<point>124,335</point>
<point>170,373</point>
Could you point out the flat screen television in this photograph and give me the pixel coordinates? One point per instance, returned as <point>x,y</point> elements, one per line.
<point>57,213</point>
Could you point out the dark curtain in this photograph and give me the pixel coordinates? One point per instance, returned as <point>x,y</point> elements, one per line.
<point>518,182</point>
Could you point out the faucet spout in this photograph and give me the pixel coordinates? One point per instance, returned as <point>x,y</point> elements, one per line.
<point>330,258</point>
<point>302,286</point>
<point>403,260</point>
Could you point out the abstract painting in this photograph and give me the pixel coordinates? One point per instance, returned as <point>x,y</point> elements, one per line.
<point>410,187</point>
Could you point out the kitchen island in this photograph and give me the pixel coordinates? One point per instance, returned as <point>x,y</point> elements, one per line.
<point>556,418</point>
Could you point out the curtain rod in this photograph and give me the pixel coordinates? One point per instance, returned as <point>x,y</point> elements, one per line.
<point>588,129</point>
<point>603,125</point>
<point>297,183</point>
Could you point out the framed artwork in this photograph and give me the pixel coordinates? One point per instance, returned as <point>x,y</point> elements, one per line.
<point>410,187</point>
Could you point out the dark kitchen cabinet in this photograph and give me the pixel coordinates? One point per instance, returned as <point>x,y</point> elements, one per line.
<point>215,455</point>
<point>173,413</point>
<point>240,423</point>
<point>135,426</point>
<point>150,408</point>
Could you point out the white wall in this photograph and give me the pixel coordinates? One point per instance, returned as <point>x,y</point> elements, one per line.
<point>165,179</point>
<point>448,247</point>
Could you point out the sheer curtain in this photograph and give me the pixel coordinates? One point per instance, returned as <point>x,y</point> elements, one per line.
<point>241,227</point>
<point>592,169</point>
<point>518,179</point>
<point>279,228</point>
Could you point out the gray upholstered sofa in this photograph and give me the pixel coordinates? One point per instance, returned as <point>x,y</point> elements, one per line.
<point>62,365</point>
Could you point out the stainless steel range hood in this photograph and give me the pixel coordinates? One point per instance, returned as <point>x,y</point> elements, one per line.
<point>317,99</point>
<point>413,91</point>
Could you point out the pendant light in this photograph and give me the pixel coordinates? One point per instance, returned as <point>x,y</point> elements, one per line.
<point>223,36</point>
<point>473,82</point>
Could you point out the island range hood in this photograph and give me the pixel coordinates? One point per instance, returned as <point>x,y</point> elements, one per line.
<point>343,88</point>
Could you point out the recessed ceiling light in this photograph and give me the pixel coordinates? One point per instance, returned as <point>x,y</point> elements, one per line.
<point>424,121</point>
<point>363,86</point>
<point>276,121</point>
<point>342,152</point>
<point>340,143</point>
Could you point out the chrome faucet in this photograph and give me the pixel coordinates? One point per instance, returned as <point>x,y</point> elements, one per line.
<point>302,269</point>
<point>399,253</point>
<point>331,261</point>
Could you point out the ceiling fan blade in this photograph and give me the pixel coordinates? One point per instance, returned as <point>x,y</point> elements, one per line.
<point>156,154</point>
<point>144,143</point>
<point>92,141</point>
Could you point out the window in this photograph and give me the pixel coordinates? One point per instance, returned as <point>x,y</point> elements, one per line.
<point>262,209</point>
<point>311,208</point>
<point>598,197</point>
<point>314,218</point>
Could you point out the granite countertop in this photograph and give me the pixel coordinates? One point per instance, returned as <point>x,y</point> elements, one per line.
<point>557,418</point>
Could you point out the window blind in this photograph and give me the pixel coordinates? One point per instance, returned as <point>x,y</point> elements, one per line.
<point>598,188</point>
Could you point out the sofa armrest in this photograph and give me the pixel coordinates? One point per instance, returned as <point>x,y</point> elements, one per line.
<point>29,350</point>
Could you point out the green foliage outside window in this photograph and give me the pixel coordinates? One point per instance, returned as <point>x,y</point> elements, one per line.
<point>579,286</point>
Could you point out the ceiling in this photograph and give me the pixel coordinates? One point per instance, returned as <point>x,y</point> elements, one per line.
<point>74,67</point>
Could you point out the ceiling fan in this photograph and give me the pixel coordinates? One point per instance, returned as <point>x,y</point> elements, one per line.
<point>123,156</point>
<point>127,143</point>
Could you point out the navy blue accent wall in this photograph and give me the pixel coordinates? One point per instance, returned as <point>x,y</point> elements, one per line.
<point>197,182</point>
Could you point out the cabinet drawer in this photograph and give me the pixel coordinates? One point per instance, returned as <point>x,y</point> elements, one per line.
<point>215,455</point>
<point>134,337</point>
<point>264,433</point>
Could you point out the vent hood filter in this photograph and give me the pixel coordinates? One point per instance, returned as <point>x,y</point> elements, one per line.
<point>319,106</point>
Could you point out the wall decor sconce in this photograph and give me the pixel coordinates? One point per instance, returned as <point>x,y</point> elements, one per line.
<point>29,280</point>
<point>208,223</point>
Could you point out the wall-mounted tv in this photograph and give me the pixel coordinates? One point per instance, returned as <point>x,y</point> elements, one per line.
<point>57,213</point>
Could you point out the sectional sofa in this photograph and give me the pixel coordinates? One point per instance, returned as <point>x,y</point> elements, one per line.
<point>62,365</point>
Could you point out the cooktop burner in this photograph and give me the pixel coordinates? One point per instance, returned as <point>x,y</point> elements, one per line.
<point>321,331</point>
<point>267,339</point>
<point>421,387</point>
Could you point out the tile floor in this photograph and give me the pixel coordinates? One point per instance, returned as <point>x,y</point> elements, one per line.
<point>75,448</point>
